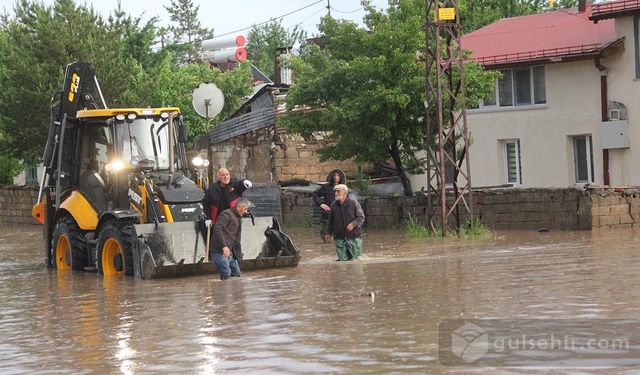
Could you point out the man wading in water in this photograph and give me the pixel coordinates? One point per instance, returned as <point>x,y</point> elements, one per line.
<point>227,233</point>
<point>345,223</point>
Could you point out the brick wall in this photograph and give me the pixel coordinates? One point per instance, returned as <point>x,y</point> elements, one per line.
<point>16,203</point>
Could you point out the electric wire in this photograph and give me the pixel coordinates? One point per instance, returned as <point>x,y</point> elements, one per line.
<point>270,20</point>
<point>346,12</point>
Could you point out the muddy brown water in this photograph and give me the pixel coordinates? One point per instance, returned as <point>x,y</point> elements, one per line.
<point>316,318</point>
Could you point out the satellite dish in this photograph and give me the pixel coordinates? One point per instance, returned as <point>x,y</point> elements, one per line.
<point>208,100</point>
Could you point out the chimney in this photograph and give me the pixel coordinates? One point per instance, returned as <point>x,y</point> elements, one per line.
<point>582,6</point>
<point>282,74</point>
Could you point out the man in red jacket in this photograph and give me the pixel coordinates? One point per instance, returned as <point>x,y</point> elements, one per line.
<point>222,195</point>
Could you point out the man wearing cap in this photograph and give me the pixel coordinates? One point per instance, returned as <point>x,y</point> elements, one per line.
<point>345,224</point>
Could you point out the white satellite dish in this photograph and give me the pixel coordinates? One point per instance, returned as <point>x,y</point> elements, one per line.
<point>208,100</point>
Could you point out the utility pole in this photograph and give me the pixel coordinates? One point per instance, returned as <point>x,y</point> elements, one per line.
<point>329,8</point>
<point>447,138</point>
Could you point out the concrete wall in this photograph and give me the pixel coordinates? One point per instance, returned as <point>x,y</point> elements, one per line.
<point>572,108</point>
<point>16,203</point>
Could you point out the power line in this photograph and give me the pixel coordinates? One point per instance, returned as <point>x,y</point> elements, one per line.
<point>312,14</point>
<point>352,11</point>
<point>270,20</point>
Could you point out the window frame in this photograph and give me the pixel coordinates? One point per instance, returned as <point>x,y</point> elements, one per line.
<point>514,104</point>
<point>589,155</point>
<point>516,142</point>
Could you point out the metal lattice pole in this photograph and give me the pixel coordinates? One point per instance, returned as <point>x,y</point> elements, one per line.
<point>447,137</point>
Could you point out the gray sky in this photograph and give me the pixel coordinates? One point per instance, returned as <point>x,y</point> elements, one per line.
<point>228,16</point>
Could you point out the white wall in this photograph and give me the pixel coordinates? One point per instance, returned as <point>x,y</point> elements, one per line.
<point>625,88</point>
<point>573,108</point>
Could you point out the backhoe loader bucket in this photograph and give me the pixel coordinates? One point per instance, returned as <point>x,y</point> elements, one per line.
<point>179,249</point>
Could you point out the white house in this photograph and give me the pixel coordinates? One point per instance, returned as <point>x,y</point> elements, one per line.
<point>564,112</point>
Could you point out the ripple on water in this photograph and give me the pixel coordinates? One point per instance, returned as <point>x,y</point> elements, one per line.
<point>310,319</point>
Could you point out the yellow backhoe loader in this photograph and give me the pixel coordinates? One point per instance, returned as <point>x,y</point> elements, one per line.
<point>116,195</point>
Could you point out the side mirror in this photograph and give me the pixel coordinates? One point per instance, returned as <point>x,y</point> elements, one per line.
<point>183,133</point>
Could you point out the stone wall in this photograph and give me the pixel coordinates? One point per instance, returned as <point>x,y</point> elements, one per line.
<point>615,208</point>
<point>297,158</point>
<point>499,209</point>
<point>246,156</point>
<point>255,156</point>
<point>16,203</point>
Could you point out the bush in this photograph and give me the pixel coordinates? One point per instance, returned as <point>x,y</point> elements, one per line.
<point>9,168</point>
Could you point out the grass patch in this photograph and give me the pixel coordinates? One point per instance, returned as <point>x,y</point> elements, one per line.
<point>474,229</point>
<point>416,229</point>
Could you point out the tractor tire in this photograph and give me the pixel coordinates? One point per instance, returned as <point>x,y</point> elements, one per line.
<point>68,245</point>
<point>116,242</point>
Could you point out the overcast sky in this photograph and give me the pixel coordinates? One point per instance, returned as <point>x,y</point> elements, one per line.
<point>228,16</point>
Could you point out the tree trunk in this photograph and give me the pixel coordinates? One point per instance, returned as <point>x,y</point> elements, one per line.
<point>394,151</point>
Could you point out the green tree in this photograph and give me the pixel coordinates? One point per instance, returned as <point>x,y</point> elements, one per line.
<point>138,38</point>
<point>186,31</point>
<point>167,84</point>
<point>264,40</point>
<point>40,41</point>
<point>367,88</point>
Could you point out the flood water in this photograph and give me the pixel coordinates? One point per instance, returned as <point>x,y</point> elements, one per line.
<point>316,318</point>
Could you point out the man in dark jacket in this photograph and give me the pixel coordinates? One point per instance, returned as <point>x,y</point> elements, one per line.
<point>345,223</point>
<point>324,196</point>
<point>222,195</point>
<point>227,233</point>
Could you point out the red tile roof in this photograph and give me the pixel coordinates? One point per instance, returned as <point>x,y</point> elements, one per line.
<point>615,9</point>
<point>540,38</point>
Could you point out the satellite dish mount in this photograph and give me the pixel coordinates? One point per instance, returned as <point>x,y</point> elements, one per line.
<point>208,100</point>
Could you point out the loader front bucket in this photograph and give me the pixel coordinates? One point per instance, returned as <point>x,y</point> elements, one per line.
<point>170,250</point>
<point>179,249</point>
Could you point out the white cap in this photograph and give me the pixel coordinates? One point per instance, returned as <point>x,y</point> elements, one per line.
<point>341,187</point>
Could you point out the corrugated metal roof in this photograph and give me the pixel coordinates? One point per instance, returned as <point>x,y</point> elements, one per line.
<point>266,198</point>
<point>242,124</point>
<point>615,9</point>
<point>551,36</point>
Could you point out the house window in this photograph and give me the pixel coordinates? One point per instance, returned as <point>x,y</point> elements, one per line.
<point>583,158</point>
<point>31,175</point>
<point>513,166</point>
<point>539,87</point>
<point>519,86</point>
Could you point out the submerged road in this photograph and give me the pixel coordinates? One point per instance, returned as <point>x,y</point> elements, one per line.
<point>319,317</point>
